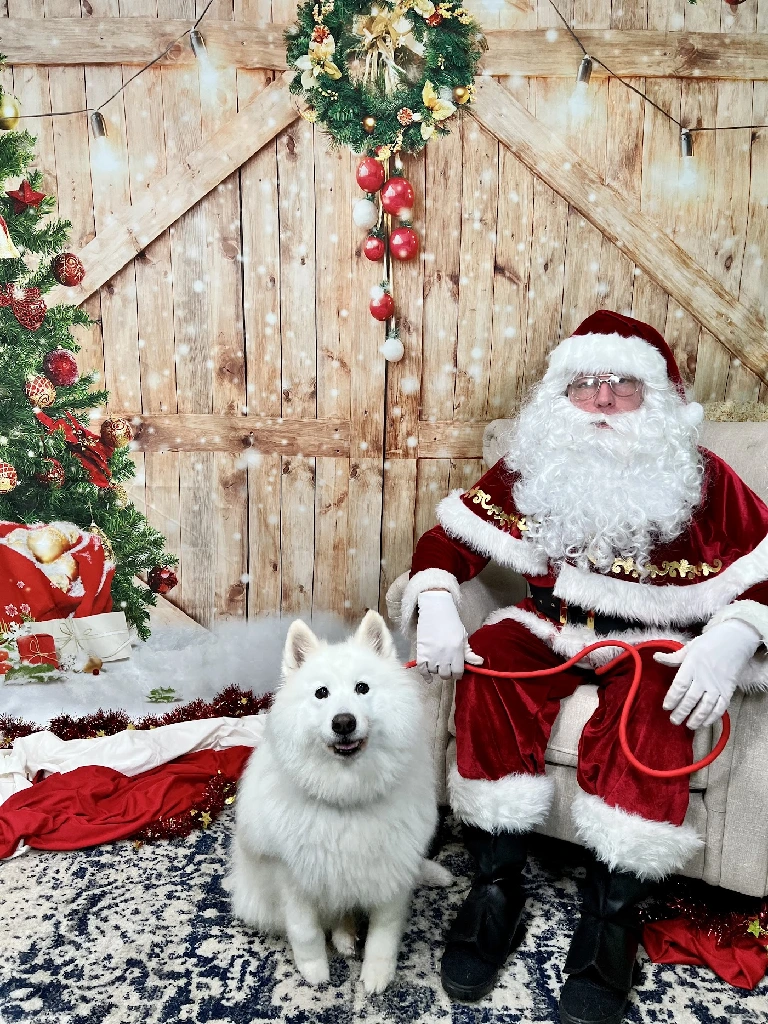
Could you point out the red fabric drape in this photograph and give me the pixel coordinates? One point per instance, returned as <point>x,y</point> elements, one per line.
<point>93,805</point>
<point>742,962</point>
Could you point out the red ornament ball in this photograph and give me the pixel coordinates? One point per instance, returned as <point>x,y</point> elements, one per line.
<point>404,244</point>
<point>60,367</point>
<point>435,19</point>
<point>67,269</point>
<point>116,433</point>
<point>162,579</point>
<point>373,248</point>
<point>40,391</point>
<point>53,474</point>
<point>382,306</point>
<point>28,306</point>
<point>8,478</point>
<point>397,195</point>
<point>370,174</point>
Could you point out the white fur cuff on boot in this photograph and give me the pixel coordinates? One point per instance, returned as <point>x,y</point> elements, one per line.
<point>628,842</point>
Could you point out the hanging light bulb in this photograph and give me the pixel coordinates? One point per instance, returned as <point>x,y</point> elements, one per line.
<point>102,155</point>
<point>579,104</point>
<point>208,74</point>
<point>687,178</point>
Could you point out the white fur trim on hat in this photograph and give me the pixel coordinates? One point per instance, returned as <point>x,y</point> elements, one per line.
<point>629,842</point>
<point>607,353</point>
<point>515,803</point>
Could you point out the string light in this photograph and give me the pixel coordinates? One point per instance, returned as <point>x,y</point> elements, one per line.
<point>686,143</point>
<point>103,157</point>
<point>579,104</point>
<point>208,74</point>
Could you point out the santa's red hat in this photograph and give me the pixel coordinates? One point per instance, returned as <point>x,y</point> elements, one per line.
<point>608,342</point>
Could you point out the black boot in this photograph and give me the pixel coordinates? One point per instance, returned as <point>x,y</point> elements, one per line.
<point>601,959</point>
<point>483,934</point>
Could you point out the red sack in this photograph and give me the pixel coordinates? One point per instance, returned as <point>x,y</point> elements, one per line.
<point>742,962</point>
<point>25,590</point>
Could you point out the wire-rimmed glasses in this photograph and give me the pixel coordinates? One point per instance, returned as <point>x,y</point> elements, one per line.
<point>585,388</point>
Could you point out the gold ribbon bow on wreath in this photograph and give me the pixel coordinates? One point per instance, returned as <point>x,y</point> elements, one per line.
<point>382,34</point>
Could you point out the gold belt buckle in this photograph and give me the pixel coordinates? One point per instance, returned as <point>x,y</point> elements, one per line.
<point>590,619</point>
<point>563,613</point>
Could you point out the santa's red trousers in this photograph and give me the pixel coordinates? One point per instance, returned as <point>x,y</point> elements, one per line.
<point>503,725</point>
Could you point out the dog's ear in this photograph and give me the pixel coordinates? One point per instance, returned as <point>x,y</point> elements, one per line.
<point>299,644</point>
<point>373,632</point>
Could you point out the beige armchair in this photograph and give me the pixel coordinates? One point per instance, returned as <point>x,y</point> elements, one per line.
<point>729,799</point>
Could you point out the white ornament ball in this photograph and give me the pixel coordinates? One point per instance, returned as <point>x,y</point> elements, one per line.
<point>365,214</point>
<point>392,350</point>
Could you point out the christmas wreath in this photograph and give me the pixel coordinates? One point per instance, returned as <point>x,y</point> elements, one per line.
<point>384,77</point>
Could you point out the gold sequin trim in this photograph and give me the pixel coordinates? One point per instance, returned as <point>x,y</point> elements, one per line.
<point>684,569</point>
<point>483,499</point>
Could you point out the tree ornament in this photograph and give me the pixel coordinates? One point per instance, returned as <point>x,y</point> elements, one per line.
<point>10,112</point>
<point>461,95</point>
<point>60,367</point>
<point>27,305</point>
<point>116,433</point>
<point>106,543</point>
<point>374,248</point>
<point>404,244</point>
<point>8,250</point>
<point>435,19</point>
<point>24,197</point>
<point>382,305</point>
<point>365,214</point>
<point>53,474</point>
<point>68,269</point>
<point>121,495</point>
<point>370,174</point>
<point>40,391</point>
<point>8,477</point>
<point>397,195</point>
<point>405,116</point>
<point>162,579</point>
<point>47,544</point>
<point>392,349</point>
<point>369,124</point>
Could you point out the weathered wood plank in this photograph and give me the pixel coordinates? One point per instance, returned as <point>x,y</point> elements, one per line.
<point>450,440</point>
<point>202,169</point>
<point>646,53</point>
<point>739,329</point>
<point>189,432</point>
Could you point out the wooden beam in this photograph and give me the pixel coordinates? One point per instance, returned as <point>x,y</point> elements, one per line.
<point>192,432</point>
<point>640,53</point>
<point>450,440</point>
<point>739,329</point>
<point>131,231</point>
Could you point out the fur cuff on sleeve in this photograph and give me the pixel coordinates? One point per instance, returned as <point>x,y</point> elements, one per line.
<point>427,579</point>
<point>751,612</point>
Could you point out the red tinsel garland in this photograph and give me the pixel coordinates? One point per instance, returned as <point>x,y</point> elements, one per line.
<point>232,702</point>
<point>219,792</point>
<point>701,909</point>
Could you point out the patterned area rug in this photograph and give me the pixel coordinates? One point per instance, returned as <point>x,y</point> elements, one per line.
<point>118,935</point>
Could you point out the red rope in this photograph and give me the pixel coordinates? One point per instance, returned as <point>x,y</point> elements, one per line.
<point>632,652</point>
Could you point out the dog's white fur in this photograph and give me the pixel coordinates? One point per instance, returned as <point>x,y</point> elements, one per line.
<point>318,836</point>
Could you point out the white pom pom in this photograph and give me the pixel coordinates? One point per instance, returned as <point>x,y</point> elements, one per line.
<point>377,292</point>
<point>365,214</point>
<point>392,350</point>
<point>694,414</point>
<point>406,216</point>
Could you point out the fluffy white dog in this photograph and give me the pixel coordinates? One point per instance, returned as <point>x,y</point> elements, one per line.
<point>337,806</point>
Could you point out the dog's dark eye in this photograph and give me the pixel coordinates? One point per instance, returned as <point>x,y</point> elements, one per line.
<point>321,692</point>
<point>362,688</point>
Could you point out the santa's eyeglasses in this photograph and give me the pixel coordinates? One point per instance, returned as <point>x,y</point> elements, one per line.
<point>585,388</point>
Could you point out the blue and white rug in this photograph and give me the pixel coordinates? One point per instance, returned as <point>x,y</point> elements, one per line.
<point>118,935</point>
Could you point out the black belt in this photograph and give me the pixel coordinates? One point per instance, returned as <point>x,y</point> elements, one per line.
<point>555,609</point>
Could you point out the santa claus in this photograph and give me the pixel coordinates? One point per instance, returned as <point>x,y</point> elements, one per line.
<point>623,528</point>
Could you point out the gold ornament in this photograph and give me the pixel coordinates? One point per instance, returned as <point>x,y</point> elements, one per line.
<point>121,495</point>
<point>93,665</point>
<point>461,94</point>
<point>65,565</point>
<point>309,114</point>
<point>382,34</point>
<point>17,539</point>
<point>8,479</point>
<point>8,250</point>
<point>40,391</point>
<point>116,433</point>
<point>47,544</point>
<point>105,541</point>
<point>70,531</point>
<point>10,112</point>
<point>369,123</point>
<point>60,581</point>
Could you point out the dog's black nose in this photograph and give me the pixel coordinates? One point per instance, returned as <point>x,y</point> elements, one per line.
<point>344,724</point>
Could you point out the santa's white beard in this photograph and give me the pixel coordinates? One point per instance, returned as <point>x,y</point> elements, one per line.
<point>593,493</point>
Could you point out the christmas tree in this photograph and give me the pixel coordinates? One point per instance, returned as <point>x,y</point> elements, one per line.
<point>53,469</point>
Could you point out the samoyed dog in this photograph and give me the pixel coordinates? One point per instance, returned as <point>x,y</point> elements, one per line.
<point>337,805</point>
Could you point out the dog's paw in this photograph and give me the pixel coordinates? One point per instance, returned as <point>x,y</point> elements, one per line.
<point>314,972</point>
<point>435,874</point>
<point>377,974</point>
<point>343,939</point>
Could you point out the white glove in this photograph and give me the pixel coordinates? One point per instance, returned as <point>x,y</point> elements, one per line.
<point>441,640</point>
<point>710,666</point>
